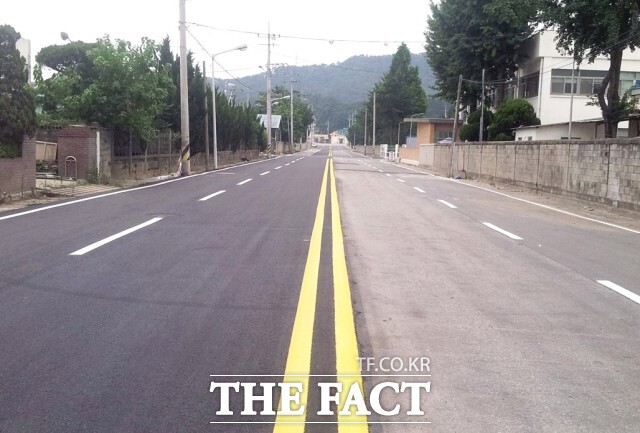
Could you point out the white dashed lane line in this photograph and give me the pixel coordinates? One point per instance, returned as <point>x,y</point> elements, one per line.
<point>419,190</point>
<point>244,181</point>
<point>504,232</point>
<point>265,173</point>
<point>278,167</point>
<point>446,203</point>
<point>112,238</point>
<point>621,290</point>
<point>212,195</point>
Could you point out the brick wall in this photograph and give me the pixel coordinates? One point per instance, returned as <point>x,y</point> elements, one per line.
<point>78,142</point>
<point>18,175</point>
<point>605,171</point>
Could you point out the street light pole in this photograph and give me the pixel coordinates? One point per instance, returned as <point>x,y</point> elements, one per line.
<point>206,121</point>
<point>213,85</point>
<point>65,37</point>
<point>185,163</point>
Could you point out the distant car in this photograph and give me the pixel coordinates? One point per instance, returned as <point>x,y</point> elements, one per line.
<point>314,144</point>
<point>447,140</point>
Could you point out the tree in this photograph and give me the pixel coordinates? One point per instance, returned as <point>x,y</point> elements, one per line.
<point>512,114</point>
<point>130,88</point>
<point>399,95</point>
<point>591,28</point>
<point>467,36</point>
<point>17,102</point>
<point>471,131</point>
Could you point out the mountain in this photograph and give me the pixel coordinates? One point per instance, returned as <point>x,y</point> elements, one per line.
<point>337,90</point>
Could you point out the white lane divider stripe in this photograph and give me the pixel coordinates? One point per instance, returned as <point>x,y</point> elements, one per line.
<point>446,203</point>
<point>504,232</point>
<point>419,190</point>
<point>212,195</point>
<point>265,173</point>
<point>390,175</point>
<point>278,167</point>
<point>400,180</point>
<point>621,290</point>
<point>243,182</point>
<point>105,241</point>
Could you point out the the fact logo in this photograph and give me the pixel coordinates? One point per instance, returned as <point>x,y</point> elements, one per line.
<point>344,398</point>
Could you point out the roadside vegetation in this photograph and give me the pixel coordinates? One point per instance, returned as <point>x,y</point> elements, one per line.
<point>465,37</point>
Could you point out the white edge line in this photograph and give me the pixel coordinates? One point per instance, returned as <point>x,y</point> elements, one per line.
<point>212,195</point>
<point>621,290</point>
<point>504,232</point>
<point>123,191</point>
<point>244,181</point>
<point>265,173</point>
<point>446,203</point>
<point>544,206</point>
<point>419,190</point>
<point>112,238</point>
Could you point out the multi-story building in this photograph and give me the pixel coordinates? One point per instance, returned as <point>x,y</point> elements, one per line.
<point>545,80</point>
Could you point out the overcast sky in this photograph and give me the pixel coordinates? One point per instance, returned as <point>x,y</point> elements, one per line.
<point>325,32</point>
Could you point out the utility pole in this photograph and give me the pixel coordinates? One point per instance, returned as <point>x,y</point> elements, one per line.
<point>185,163</point>
<point>269,91</point>
<point>455,128</point>
<point>366,111</point>
<point>206,118</point>
<point>373,137</point>
<point>482,109</point>
<point>291,143</point>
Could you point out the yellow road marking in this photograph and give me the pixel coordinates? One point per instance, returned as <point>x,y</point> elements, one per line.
<point>347,366</point>
<point>299,358</point>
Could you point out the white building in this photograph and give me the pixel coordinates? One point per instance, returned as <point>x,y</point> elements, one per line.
<point>545,81</point>
<point>24,47</point>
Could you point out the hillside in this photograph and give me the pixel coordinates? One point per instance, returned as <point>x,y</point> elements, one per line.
<point>336,90</point>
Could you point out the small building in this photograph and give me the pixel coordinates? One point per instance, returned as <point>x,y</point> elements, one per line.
<point>338,138</point>
<point>431,130</point>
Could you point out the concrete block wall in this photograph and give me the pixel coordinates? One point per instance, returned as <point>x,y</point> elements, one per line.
<point>623,184</point>
<point>526,164</point>
<point>605,171</point>
<point>18,175</point>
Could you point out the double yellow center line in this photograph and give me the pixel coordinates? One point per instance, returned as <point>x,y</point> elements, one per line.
<point>298,365</point>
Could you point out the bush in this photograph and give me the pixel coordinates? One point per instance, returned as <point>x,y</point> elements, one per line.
<point>512,114</point>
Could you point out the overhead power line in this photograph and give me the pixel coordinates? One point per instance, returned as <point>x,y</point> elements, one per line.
<point>306,38</point>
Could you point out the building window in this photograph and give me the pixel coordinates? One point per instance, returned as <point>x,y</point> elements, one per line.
<point>441,134</point>
<point>529,86</point>
<point>628,80</point>
<point>585,82</point>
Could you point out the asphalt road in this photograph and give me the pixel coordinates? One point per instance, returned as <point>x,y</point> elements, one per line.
<point>117,312</point>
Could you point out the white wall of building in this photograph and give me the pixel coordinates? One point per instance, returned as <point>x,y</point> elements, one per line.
<point>555,108</point>
<point>556,132</point>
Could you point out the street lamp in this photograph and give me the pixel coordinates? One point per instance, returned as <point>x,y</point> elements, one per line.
<point>213,84</point>
<point>411,122</point>
<point>65,37</point>
<point>275,101</point>
<point>400,123</point>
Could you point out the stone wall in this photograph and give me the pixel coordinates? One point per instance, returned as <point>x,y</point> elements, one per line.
<point>605,171</point>
<point>18,175</point>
